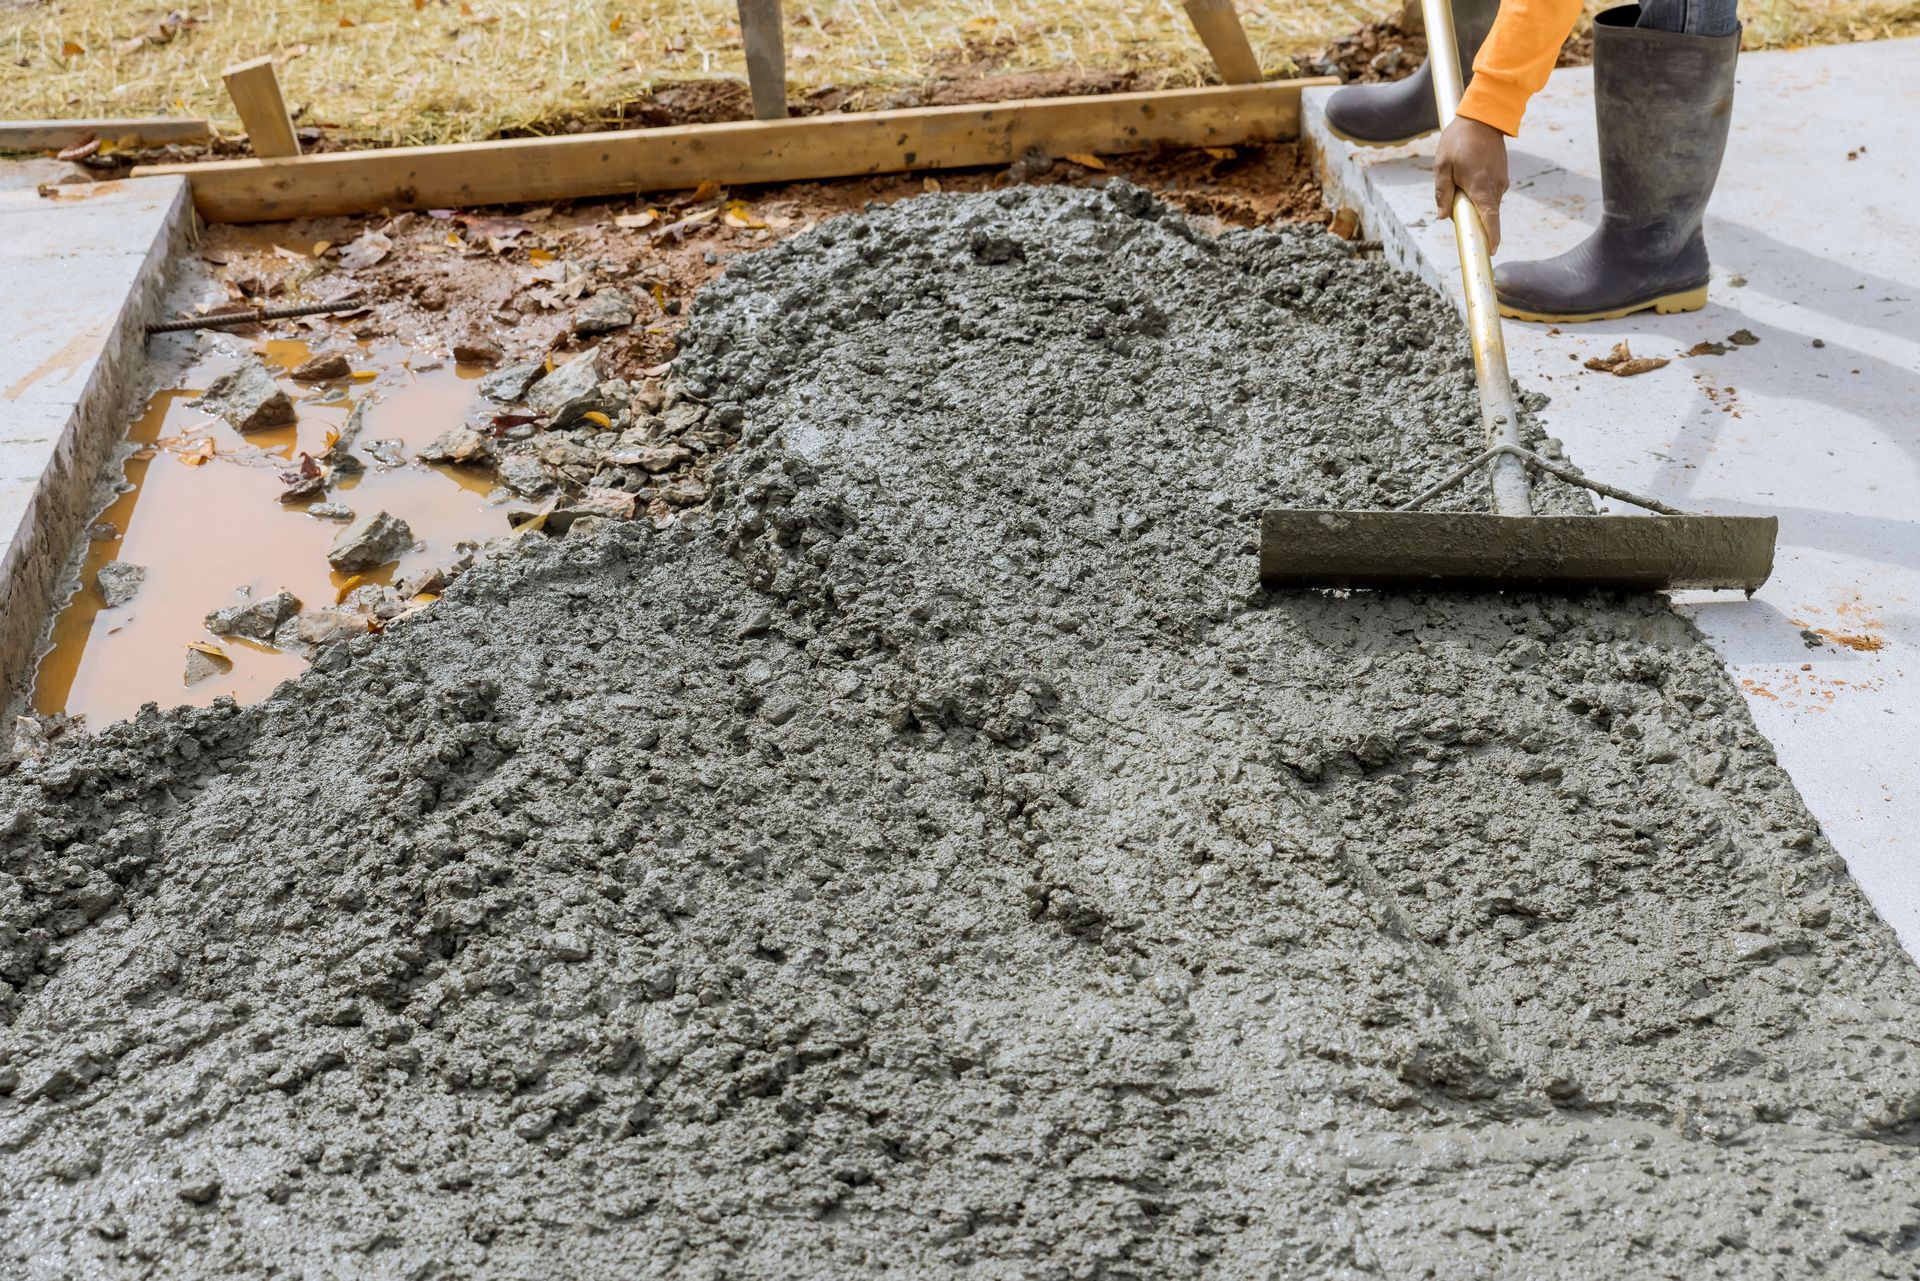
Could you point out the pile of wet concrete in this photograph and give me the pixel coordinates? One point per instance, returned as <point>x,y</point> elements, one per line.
<point>937,858</point>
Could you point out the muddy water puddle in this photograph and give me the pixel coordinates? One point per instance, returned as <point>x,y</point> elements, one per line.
<point>201,514</point>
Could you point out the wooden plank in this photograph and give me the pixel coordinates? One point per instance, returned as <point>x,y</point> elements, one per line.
<point>835,146</point>
<point>765,40</point>
<point>133,131</point>
<point>255,91</point>
<point>1219,26</point>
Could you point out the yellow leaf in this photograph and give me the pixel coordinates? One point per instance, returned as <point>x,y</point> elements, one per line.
<point>615,24</point>
<point>1221,153</point>
<point>549,364</point>
<point>540,255</point>
<point>364,375</point>
<point>345,21</point>
<point>211,650</point>
<point>72,49</point>
<point>595,416</point>
<point>198,453</point>
<point>1086,160</point>
<point>346,588</point>
<point>659,292</point>
<point>707,190</point>
<point>739,215</point>
<point>321,246</point>
<point>930,185</point>
<point>332,439</point>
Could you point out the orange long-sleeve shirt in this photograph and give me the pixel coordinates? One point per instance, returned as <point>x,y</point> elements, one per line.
<point>1516,59</point>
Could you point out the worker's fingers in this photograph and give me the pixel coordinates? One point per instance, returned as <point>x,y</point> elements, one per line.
<point>1485,194</point>
<point>1443,187</point>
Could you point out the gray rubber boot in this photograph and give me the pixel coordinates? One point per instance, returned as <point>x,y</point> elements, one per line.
<point>1662,101</point>
<point>1385,115</point>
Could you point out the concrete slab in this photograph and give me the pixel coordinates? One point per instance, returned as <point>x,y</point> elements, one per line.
<point>83,272</point>
<point>1815,236</point>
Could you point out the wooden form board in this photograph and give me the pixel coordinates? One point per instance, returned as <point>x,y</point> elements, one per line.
<point>57,135</point>
<point>1218,23</point>
<point>255,91</point>
<point>832,146</point>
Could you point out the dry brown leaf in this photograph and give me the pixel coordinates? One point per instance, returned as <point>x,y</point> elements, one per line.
<point>707,190</point>
<point>198,453</point>
<point>345,21</point>
<point>72,49</point>
<point>365,250</point>
<point>1085,160</point>
<point>1221,153</point>
<point>1638,365</point>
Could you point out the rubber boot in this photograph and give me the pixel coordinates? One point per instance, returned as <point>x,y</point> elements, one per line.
<point>1385,115</point>
<point>1662,101</point>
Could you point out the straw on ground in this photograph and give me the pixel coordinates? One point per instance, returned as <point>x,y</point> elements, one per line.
<point>445,70</point>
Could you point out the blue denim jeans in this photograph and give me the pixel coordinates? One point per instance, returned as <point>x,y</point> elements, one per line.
<point>1693,17</point>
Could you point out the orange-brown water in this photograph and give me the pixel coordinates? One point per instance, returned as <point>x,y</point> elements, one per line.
<point>204,529</point>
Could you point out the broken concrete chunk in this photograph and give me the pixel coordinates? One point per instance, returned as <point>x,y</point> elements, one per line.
<point>460,445</point>
<point>603,313</point>
<point>566,387</point>
<point>255,620</point>
<point>652,457</point>
<point>510,384</point>
<point>204,662</point>
<point>322,367</point>
<point>248,398</point>
<point>525,476</point>
<point>478,350</point>
<point>607,504</point>
<point>330,623</point>
<point>331,511</point>
<point>370,541</point>
<point>119,581</point>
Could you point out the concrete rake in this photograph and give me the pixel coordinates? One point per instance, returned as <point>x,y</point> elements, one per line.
<point>1509,546</point>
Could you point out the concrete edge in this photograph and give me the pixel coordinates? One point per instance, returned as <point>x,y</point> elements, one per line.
<point>1343,181</point>
<point>36,558</point>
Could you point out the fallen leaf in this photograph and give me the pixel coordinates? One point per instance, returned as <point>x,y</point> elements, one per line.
<point>1086,160</point>
<point>659,292</point>
<point>614,25</point>
<point>320,247</point>
<point>293,255</point>
<point>200,452</point>
<point>540,255</point>
<point>72,48</point>
<point>211,650</point>
<point>930,185</point>
<point>635,221</point>
<point>595,416</point>
<point>1619,355</point>
<point>345,21</point>
<point>1221,153</point>
<point>657,371</point>
<point>368,248</point>
<point>1638,365</point>
<point>346,588</point>
<point>707,190</point>
<point>738,215</point>
<point>80,150</point>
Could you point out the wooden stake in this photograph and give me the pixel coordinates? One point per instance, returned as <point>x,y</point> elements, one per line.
<point>255,91</point>
<point>835,146</point>
<point>761,32</point>
<point>1219,26</point>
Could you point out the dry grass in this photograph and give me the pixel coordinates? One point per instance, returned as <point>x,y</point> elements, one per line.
<point>442,70</point>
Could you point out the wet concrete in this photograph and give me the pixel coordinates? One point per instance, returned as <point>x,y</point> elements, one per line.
<point>937,859</point>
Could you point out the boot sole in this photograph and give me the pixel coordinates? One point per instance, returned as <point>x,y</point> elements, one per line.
<point>1665,305</point>
<point>1377,142</point>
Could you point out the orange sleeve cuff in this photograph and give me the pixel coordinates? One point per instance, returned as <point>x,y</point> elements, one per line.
<point>1492,102</point>
<point>1515,60</point>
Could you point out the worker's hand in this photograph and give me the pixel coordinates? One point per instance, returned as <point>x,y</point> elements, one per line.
<point>1472,157</point>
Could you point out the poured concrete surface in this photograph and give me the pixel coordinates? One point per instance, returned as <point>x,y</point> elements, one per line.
<point>936,859</point>
<point>1818,211</point>
<point>81,270</point>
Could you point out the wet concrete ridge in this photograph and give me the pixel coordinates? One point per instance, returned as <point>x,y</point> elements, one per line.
<point>1791,394</point>
<point>935,859</point>
<point>82,269</point>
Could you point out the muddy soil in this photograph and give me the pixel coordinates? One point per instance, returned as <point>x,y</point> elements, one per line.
<point>935,858</point>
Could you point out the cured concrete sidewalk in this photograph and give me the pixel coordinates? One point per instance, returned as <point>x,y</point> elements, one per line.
<point>81,271</point>
<point>1815,235</point>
